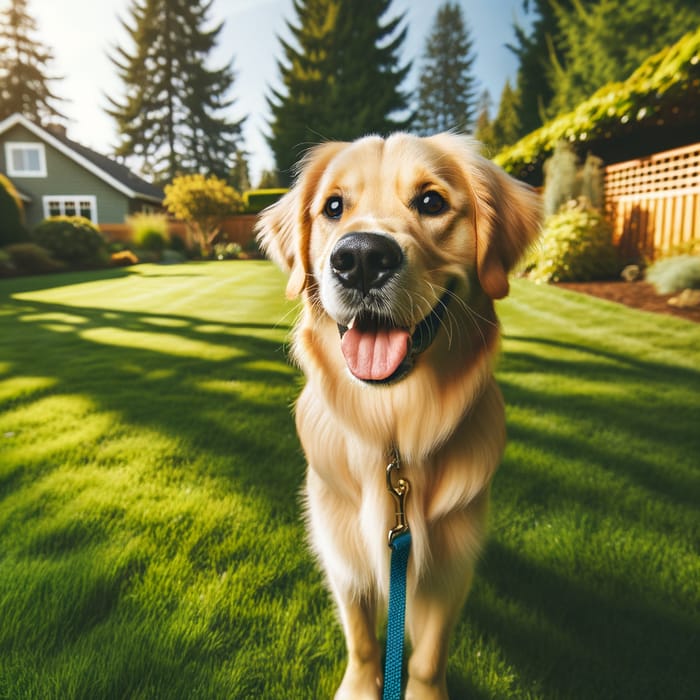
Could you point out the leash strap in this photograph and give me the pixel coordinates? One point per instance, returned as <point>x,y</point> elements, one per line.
<point>400,543</point>
<point>400,549</point>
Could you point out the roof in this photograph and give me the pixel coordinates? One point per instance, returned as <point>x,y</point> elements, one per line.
<point>110,171</point>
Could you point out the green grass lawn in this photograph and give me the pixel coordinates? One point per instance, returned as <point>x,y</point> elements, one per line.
<point>151,544</point>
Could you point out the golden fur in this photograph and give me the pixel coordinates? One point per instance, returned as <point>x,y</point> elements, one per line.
<point>445,418</point>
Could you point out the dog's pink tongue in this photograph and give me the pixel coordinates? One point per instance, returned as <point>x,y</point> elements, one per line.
<point>375,354</point>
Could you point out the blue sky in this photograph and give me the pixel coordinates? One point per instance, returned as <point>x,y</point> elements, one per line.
<point>82,32</point>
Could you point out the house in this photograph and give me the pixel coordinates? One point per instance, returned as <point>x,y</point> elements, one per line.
<point>56,176</point>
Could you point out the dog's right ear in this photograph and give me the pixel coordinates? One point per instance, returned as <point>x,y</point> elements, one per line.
<point>284,228</point>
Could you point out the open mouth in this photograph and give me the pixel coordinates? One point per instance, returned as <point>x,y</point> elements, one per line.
<point>378,352</point>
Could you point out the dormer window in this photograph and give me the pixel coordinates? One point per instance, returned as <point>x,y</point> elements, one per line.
<point>25,159</point>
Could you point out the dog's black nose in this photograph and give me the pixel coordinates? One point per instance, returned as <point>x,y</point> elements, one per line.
<point>365,261</point>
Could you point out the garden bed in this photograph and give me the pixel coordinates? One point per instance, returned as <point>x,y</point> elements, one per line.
<point>637,295</point>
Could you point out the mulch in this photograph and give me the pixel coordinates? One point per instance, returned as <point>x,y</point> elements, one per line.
<point>638,295</point>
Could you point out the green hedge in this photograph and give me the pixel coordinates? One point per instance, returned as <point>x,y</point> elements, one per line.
<point>256,200</point>
<point>664,91</point>
<point>73,240</point>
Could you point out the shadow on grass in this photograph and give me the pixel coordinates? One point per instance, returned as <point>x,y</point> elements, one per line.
<point>617,462</point>
<point>585,644</point>
<point>229,405</point>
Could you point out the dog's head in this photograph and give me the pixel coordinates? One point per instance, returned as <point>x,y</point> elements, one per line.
<point>381,232</point>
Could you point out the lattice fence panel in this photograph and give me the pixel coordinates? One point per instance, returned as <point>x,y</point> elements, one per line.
<point>654,203</point>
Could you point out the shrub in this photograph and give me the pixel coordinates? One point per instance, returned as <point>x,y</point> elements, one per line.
<point>149,231</point>
<point>257,200</point>
<point>172,257</point>
<point>12,228</point>
<point>32,259</point>
<point>227,251</point>
<point>203,203</point>
<point>72,239</point>
<point>675,274</point>
<point>576,246</point>
<point>565,180</point>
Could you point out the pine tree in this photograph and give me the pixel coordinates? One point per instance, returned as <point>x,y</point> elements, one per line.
<point>446,95</point>
<point>506,126</point>
<point>532,51</point>
<point>24,82</point>
<point>170,118</point>
<point>340,77</point>
<point>483,126</point>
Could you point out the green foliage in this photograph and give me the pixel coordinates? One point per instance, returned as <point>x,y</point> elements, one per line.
<point>675,274</point>
<point>149,231</point>
<point>203,203</point>
<point>664,90</point>
<point>11,214</point>
<point>603,42</point>
<point>446,94</point>
<point>566,180</point>
<point>341,77</point>
<point>73,240</point>
<point>256,200</point>
<point>227,251</point>
<point>506,125</point>
<point>575,246</point>
<point>571,48</point>
<point>173,116</point>
<point>150,472</point>
<point>29,259</point>
<point>560,173</point>
<point>24,64</point>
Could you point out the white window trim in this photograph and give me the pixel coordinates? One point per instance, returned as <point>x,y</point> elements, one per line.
<point>73,199</point>
<point>12,146</point>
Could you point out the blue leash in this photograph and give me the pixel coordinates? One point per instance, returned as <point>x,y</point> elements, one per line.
<point>393,662</point>
<point>400,543</point>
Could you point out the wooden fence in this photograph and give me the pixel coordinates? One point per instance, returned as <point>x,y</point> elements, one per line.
<point>653,203</point>
<point>236,229</point>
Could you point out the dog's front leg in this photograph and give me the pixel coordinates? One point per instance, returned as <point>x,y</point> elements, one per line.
<point>363,676</point>
<point>431,616</point>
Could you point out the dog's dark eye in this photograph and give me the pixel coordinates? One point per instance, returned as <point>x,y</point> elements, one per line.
<point>333,207</point>
<point>431,203</point>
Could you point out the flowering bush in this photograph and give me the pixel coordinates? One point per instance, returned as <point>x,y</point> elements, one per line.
<point>575,246</point>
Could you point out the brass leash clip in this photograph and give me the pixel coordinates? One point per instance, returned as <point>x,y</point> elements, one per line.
<point>399,493</point>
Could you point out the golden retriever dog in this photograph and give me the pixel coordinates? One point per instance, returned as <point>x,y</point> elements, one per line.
<point>399,247</point>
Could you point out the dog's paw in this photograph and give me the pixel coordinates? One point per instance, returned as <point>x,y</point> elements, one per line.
<point>361,682</point>
<point>415,690</point>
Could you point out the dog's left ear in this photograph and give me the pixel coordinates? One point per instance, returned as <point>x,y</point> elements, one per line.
<point>508,219</point>
<point>284,228</point>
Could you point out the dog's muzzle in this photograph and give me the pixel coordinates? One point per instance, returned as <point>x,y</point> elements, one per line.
<point>376,350</point>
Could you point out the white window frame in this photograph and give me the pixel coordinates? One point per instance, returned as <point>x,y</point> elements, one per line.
<point>73,199</point>
<point>12,146</point>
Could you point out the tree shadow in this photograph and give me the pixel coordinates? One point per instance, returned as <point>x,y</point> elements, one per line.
<point>569,635</point>
<point>170,391</point>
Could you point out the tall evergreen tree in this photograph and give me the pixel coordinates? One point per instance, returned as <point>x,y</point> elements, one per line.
<point>532,50</point>
<point>506,126</point>
<point>483,126</point>
<point>24,81</point>
<point>170,117</point>
<point>446,94</point>
<point>341,77</point>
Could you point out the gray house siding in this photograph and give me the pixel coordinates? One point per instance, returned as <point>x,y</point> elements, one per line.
<point>64,178</point>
